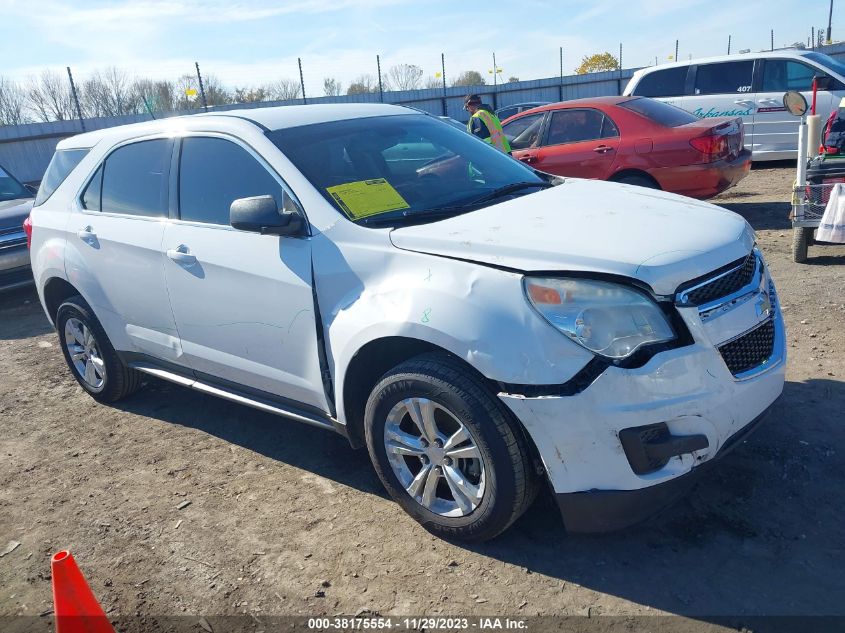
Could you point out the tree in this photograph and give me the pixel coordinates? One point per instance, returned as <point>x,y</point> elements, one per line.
<point>597,63</point>
<point>284,90</point>
<point>513,79</point>
<point>331,87</point>
<point>157,96</point>
<point>49,97</point>
<point>362,85</point>
<point>469,78</point>
<point>12,103</point>
<point>215,92</point>
<point>404,76</point>
<point>434,82</point>
<point>250,95</point>
<point>108,93</point>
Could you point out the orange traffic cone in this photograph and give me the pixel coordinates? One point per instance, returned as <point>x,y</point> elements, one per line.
<point>76,608</point>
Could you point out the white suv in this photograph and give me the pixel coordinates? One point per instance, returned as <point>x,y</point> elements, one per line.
<point>750,86</point>
<point>479,326</point>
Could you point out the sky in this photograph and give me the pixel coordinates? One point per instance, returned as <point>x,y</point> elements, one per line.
<point>247,43</point>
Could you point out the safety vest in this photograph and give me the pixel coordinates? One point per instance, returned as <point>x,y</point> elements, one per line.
<point>497,136</point>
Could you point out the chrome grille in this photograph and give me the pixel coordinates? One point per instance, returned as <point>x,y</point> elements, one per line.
<point>750,350</point>
<point>723,285</point>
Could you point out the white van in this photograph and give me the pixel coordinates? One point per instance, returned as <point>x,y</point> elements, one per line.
<point>750,86</point>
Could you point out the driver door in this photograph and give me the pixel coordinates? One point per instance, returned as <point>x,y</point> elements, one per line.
<point>243,302</point>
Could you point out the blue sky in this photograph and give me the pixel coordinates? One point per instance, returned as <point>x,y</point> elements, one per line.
<point>251,42</point>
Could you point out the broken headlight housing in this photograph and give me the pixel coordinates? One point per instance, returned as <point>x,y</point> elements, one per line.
<point>608,319</point>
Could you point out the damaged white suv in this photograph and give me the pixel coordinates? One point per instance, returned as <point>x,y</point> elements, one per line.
<point>479,326</point>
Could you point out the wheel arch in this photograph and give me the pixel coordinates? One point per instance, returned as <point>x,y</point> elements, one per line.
<point>639,173</point>
<point>56,291</point>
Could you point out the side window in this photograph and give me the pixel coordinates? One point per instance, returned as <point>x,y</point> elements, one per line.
<point>92,197</point>
<point>724,78</point>
<point>572,126</point>
<point>780,75</point>
<point>524,132</point>
<point>214,173</point>
<point>608,128</point>
<point>663,83</point>
<point>62,163</point>
<point>504,113</point>
<point>135,179</point>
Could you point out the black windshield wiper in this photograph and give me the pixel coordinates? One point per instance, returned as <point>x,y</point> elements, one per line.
<point>511,188</point>
<point>412,216</point>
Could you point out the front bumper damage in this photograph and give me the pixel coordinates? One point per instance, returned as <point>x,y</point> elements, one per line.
<point>636,439</point>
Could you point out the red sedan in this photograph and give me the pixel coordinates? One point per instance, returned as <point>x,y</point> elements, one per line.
<point>634,140</point>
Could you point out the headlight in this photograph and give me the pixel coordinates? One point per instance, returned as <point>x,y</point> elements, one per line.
<point>606,318</point>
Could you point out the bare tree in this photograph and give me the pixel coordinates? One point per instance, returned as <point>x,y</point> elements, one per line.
<point>109,92</point>
<point>331,87</point>
<point>49,97</point>
<point>284,90</point>
<point>12,103</point>
<point>250,95</point>
<point>362,85</point>
<point>469,78</point>
<point>433,82</point>
<point>155,96</point>
<point>215,92</point>
<point>404,76</point>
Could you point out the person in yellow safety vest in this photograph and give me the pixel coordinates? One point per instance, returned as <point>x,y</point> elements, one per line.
<point>484,124</point>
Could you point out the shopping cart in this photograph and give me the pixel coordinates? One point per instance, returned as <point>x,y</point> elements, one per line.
<point>808,205</point>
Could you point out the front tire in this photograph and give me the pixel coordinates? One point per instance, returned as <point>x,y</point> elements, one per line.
<point>89,353</point>
<point>447,450</point>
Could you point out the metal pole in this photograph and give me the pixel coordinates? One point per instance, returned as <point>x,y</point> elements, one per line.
<point>202,88</point>
<point>829,22</point>
<point>75,99</point>
<point>619,87</point>
<point>676,50</point>
<point>813,37</point>
<point>301,81</point>
<point>380,86</point>
<point>729,44</point>
<point>443,74</point>
<point>495,85</point>
<point>773,39</point>
<point>560,85</point>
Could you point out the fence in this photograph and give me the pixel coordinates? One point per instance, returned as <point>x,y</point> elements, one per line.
<point>25,150</point>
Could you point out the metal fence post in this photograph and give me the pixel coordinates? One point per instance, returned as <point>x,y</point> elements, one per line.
<point>443,73</point>
<point>495,85</point>
<point>202,88</point>
<point>75,99</point>
<point>560,85</point>
<point>619,81</point>
<point>729,44</point>
<point>301,81</point>
<point>676,50</point>
<point>380,85</point>
<point>773,39</point>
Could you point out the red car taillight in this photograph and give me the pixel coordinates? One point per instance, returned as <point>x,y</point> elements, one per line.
<point>713,146</point>
<point>27,228</point>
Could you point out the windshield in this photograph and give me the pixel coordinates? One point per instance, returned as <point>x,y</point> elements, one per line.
<point>403,166</point>
<point>10,188</point>
<point>828,62</point>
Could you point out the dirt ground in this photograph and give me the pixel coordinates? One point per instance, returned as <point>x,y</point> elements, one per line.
<point>285,519</point>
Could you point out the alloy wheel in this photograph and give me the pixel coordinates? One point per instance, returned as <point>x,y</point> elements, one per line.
<point>84,353</point>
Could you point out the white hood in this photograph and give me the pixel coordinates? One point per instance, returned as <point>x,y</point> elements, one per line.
<point>585,225</point>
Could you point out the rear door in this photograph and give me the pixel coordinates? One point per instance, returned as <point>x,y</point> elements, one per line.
<point>116,259</point>
<point>723,89</point>
<point>243,302</point>
<point>776,129</point>
<point>578,142</point>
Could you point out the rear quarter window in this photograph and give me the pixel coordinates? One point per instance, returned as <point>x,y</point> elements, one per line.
<point>670,82</point>
<point>63,162</point>
<point>659,112</point>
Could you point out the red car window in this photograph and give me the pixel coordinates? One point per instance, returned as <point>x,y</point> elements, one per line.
<point>524,132</point>
<point>572,126</point>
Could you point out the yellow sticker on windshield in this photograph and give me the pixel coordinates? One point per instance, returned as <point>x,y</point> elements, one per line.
<point>367,197</point>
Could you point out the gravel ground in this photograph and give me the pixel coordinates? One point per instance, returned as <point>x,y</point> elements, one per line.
<point>285,519</point>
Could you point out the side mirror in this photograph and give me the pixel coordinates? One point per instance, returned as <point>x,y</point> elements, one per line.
<point>795,103</point>
<point>260,214</point>
<point>823,82</point>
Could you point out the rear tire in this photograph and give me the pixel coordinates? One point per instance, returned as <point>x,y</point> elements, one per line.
<point>638,181</point>
<point>802,236</point>
<point>495,463</point>
<point>89,353</point>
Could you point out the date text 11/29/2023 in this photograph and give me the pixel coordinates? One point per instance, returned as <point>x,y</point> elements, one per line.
<point>485,623</point>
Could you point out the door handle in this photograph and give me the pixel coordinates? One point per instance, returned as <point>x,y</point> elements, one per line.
<point>745,102</point>
<point>603,149</point>
<point>87,235</point>
<point>771,102</point>
<point>182,256</point>
<point>528,158</point>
